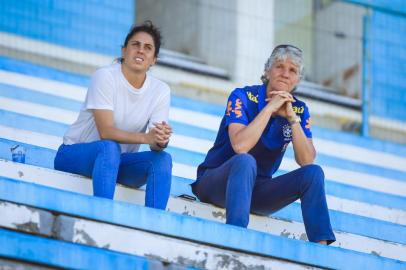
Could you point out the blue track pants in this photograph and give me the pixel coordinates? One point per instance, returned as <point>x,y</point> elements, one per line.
<point>103,161</point>
<point>236,186</point>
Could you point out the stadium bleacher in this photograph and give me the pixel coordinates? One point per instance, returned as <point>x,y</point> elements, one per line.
<point>50,213</point>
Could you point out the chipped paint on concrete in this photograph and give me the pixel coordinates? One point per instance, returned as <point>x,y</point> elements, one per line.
<point>159,264</point>
<point>6,264</point>
<point>83,238</point>
<point>63,227</point>
<point>199,263</point>
<point>30,226</point>
<point>20,174</point>
<point>285,233</point>
<point>164,248</point>
<point>230,262</point>
<point>303,236</point>
<point>219,215</point>
<point>26,219</point>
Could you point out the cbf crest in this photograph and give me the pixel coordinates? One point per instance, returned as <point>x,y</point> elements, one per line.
<point>287,132</point>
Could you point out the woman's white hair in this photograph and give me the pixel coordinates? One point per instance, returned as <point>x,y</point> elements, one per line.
<point>283,52</point>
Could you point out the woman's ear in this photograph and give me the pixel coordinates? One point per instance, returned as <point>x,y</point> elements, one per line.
<point>154,61</point>
<point>122,52</point>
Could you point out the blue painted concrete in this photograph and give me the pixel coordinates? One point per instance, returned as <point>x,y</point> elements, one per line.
<point>190,228</point>
<point>96,26</point>
<point>27,68</point>
<point>21,121</point>
<point>50,127</point>
<point>354,224</point>
<point>340,221</point>
<point>44,157</point>
<point>23,94</point>
<point>57,129</point>
<point>395,6</point>
<point>53,253</point>
<point>384,58</point>
<point>35,155</point>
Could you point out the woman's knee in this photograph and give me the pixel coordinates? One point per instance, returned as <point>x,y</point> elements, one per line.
<point>110,149</point>
<point>313,175</point>
<point>162,159</point>
<point>244,164</point>
<point>245,160</point>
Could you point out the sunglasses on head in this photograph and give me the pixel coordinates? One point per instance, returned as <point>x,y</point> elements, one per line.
<point>285,46</point>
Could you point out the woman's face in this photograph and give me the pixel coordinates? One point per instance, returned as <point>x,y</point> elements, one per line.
<point>283,76</point>
<point>139,54</point>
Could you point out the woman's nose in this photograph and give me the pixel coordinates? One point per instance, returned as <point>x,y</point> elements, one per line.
<point>285,72</point>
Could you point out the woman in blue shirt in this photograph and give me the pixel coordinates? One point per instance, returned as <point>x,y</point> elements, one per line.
<point>259,123</point>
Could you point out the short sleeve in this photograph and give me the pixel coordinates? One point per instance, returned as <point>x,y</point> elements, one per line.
<point>305,122</point>
<point>161,111</point>
<point>236,111</point>
<point>100,94</point>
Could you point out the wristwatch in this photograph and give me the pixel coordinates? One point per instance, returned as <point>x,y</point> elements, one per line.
<point>293,120</point>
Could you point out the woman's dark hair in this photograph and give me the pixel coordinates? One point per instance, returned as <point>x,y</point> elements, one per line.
<point>146,27</point>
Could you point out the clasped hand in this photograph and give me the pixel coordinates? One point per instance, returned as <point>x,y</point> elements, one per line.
<point>281,104</point>
<point>160,134</point>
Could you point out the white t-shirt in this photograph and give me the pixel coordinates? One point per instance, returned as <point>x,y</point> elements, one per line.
<point>134,109</point>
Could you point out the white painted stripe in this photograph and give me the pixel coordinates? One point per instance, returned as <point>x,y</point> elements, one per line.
<point>29,137</point>
<point>189,172</point>
<point>183,170</point>
<point>190,143</point>
<point>197,119</point>
<point>363,180</point>
<point>367,210</point>
<point>291,229</point>
<point>360,154</point>
<point>36,110</point>
<point>46,49</point>
<point>45,86</point>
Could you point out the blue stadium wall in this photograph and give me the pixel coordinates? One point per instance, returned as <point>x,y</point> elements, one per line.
<point>101,25</point>
<point>388,50</point>
<point>386,45</point>
<point>98,26</point>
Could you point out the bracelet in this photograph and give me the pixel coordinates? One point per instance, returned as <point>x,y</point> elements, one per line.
<point>294,120</point>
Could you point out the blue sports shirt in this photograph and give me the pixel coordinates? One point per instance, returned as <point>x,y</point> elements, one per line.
<point>243,106</point>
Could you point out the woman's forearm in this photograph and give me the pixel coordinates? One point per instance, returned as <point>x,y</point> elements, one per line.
<point>304,150</point>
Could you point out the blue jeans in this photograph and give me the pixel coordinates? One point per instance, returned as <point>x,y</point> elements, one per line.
<point>236,186</point>
<point>104,162</point>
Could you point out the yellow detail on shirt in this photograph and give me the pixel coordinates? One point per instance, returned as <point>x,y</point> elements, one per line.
<point>298,110</point>
<point>252,97</point>
<point>229,108</point>
<point>237,109</point>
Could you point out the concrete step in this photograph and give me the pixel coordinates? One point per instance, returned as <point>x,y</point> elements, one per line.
<point>225,237</point>
<point>273,225</point>
<point>375,208</point>
<point>166,249</point>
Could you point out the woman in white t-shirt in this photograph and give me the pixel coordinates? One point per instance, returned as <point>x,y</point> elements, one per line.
<point>124,107</point>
